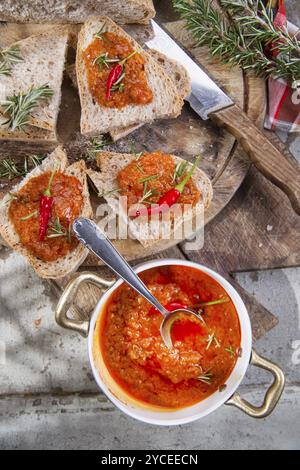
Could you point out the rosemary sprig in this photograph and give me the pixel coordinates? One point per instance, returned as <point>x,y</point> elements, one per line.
<point>56,229</point>
<point>212,302</point>
<point>9,169</point>
<point>148,178</point>
<point>138,155</point>
<point>8,57</point>
<point>146,193</point>
<point>243,41</point>
<point>231,351</point>
<point>205,377</point>
<point>97,145</point>
<point>101,32</point>
<point>19,106</point>
<point>139,167</point>
<point>103,60</point>
<point>108,193</point>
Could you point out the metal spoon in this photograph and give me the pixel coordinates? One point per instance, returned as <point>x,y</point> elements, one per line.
<point>89,234</point>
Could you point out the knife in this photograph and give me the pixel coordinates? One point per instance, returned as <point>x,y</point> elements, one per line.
<point>210,102</point>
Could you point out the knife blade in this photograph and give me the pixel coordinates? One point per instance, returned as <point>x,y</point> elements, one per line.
<point>209,101</point>
<point>206,96</point>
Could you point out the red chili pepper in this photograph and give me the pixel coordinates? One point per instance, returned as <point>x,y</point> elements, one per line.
<point>170,307</point>
<point>280,18</point>
<point>115,74</point>
<point>46,202</point>
<point>170,197</point>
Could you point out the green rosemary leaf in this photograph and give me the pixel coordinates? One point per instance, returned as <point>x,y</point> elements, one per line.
<point>29,216</point>
<point>8,57</point>
<point>148,178</point>
<point>19,106</point>
<point>108,193</point>
<point>212,302</point>
<point>55,229</point>
<point>231,351</point>
<point>97,145</point>
<point>10,170</point>
<point>140,168</point>
<point>146,195</point>
<point>103,60</point>
<point>101,32</point>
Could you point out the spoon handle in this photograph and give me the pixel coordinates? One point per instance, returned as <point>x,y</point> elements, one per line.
<point>89,234</point>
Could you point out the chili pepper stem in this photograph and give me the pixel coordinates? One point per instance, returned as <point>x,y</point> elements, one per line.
<point>47,191</point>
<point>180,186</point>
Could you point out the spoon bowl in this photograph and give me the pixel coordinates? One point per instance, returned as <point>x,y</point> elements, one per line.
<point>172,317</point>
<point>90,235</point>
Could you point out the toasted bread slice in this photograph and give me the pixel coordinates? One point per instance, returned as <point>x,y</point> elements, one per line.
<point>62,266</point>
<point>74,11</point>
<point>174,69</point>
<point>96,119</point>
<point>43,64</point>
<point>146,232</point>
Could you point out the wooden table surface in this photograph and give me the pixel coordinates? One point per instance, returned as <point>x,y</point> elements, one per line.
<point>257,230</point>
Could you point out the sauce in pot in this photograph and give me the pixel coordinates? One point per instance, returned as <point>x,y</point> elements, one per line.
<point>104,52</point>
<point>67,204</point>
<point>136,356</point>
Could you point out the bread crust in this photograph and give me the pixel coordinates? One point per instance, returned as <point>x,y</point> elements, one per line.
<point>76,11</point>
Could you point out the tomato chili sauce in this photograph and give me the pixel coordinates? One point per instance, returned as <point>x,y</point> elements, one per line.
<point>67,205</point>
<point>105,52</point>
<point>156,171</point>
<point>136,357</point>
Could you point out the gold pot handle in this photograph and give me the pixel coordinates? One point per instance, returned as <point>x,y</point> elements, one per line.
<point>272,396</point>
<point>66,300</point>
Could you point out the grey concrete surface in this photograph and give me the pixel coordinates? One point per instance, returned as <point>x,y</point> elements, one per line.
<point>46,386</point>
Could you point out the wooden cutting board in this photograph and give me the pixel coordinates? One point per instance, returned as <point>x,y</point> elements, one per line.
<point>222,159</point>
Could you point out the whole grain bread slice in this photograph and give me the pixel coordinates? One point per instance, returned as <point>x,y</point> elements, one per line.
<point>146,232</point>
<point>75,11</point>
<point>62,266</point>
<point>97,119</point>
<point>43,64</point>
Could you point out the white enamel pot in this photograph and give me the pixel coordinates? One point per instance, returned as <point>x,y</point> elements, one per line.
<point>156,415</point>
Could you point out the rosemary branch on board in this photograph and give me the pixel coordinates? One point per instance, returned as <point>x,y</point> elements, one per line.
<point>97,144</point>
<point>245,40</point>
<point>18,107</point>
<point>8,57</point>
<point>10,170</point>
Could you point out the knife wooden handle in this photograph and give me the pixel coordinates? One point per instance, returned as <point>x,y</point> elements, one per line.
<point>266,158</point>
